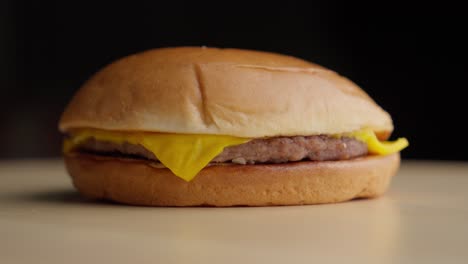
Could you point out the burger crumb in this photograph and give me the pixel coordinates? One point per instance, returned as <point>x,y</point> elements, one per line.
<point>239,161</point>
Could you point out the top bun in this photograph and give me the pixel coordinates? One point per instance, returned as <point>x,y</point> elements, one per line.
<point>199,90</point>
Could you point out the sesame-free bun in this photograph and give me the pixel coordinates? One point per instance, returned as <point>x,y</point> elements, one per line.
<point>198,90</point>
<point>140,182</point>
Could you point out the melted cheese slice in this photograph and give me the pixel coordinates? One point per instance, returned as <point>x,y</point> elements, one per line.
<point>184,154</point>
<point>187,154</point>
<point>375,146</point>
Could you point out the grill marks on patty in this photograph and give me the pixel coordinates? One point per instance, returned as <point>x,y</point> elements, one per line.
<point>268,150</point>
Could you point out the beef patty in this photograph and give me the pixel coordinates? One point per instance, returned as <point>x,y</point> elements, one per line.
<point>268,150</point>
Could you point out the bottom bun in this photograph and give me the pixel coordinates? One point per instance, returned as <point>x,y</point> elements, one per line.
<point>138,182</point>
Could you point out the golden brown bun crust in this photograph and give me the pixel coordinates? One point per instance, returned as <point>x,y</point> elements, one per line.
<point>138,183</point>
<point>222,91</point>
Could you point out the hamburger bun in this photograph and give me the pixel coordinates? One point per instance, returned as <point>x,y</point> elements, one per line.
<point>137,182</point>
<point>223,92</point>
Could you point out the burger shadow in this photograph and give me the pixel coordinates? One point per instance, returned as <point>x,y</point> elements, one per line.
<point>59,196</point>
<point>72,197</point>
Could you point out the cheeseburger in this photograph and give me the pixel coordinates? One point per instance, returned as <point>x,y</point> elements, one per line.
<point>193,126</point>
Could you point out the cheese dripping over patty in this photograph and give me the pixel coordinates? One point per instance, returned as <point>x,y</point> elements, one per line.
<point>187,154</point>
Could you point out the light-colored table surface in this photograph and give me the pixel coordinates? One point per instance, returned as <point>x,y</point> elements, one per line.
<point>422,219</point>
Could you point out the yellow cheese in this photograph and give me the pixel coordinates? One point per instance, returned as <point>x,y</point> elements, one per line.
<point>375,146</point>
<point>187,154</point>
<point>184,154</point>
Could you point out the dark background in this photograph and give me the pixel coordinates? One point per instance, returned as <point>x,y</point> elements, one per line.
<point>408,58</point>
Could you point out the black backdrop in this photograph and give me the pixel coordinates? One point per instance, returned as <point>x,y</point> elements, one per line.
<point>408,58</point>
